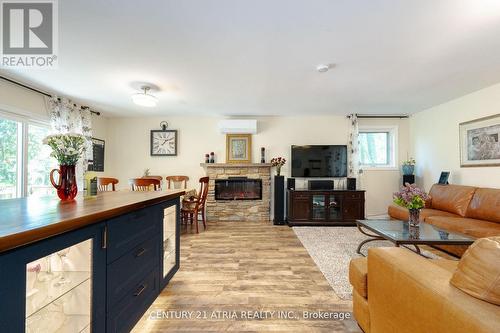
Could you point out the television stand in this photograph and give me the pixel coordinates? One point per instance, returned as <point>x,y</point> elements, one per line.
<point>325,207</point>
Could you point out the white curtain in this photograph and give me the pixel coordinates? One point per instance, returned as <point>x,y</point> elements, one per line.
<point>67,117</point>
<point>353,146</point>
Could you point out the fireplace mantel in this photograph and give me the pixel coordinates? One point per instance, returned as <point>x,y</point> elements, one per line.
<point>238,210</point>
<point>236,165</point>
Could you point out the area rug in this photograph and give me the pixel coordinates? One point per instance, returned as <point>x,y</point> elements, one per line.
<point>332,248</point>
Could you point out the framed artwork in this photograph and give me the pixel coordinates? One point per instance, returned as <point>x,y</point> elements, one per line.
<point>443,178</point>
<point>98,154</point>
<point>479,142</point>
<point>238,148</point>
<point>163,142</point>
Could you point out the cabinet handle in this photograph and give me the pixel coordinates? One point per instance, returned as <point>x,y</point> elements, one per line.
<point>104,244</point>
<point>140,290</point>
<point>140,252</point>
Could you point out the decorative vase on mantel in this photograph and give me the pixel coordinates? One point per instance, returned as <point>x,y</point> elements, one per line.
<point>66,185</point>
<point>414,217</point>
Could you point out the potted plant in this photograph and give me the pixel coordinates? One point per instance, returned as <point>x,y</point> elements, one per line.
<point>413,198</point>
<point>409,167</point>
<point>278,162</point>
<point>67,149</point>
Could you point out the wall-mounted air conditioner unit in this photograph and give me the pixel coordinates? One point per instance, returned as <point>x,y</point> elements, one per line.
<point>238,126</point>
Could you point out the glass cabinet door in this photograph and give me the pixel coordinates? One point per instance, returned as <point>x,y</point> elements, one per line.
<point>59,289</point>
<point>169,239</point>
<point>334,207</point>
<point>319,206</point>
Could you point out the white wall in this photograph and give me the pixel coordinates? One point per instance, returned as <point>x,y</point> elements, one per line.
<point>24,102</point>
<point>435,139</point>
<point>129,140</point>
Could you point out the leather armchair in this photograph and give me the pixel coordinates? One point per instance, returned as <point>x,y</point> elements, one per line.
<point>405,292</point>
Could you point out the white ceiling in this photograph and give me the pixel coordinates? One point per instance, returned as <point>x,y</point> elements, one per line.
<point>258,57</point>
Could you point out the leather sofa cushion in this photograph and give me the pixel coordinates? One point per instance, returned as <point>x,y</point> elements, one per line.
<point>361,311</point>
<point>358,270</point>
<point>449,265</point>
<point>456,250</point>
<point>485,205</point>
<point>401,213</point>
<point>451,198</point>
<point>471,227</point>
<point>478,272</point>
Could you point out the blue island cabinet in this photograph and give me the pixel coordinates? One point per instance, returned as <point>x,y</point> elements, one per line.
<point>100,278</point>
<point>55,285</point>
<point>143,255</point>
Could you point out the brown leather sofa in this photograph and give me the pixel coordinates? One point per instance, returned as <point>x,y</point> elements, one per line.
<point>467,210</point>
<point>398,291</point>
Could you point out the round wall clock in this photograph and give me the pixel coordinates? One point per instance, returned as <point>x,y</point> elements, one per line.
<point>163,142</point>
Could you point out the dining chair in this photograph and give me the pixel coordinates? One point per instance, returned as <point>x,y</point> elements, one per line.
<point>178,182</point>
<point>144,184</point>
<point>104,182</point>
<point>195,205</point>
<point>160,178</point>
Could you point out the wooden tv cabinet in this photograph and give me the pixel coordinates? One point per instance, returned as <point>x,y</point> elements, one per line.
<point>328,208</point>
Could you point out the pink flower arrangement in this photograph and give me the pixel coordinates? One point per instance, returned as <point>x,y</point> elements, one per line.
<point>411,197</point>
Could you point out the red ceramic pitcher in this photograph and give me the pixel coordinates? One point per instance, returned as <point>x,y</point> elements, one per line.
<point>66,186</point>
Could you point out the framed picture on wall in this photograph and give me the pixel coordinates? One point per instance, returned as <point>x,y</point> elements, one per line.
<point>480,142</point>
<point>98,154</point>
<point>238,148</point>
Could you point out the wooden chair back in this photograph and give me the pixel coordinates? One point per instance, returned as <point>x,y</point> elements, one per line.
<point>160,178</point>
<point>202,193</point>
<point>178,182</point>
<point>144,184</point>
<point>104,182</point>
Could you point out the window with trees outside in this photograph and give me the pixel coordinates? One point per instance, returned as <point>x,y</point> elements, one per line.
<point>377,148</point>
<point>25,161</point>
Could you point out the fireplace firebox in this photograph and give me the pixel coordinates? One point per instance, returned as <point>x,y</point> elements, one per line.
<point>238,188</point>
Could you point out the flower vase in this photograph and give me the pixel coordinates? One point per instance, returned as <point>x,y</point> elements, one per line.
<point>408,170</point>
<point>66,186</point>
<point>278,171</point>
<point>414,217</point>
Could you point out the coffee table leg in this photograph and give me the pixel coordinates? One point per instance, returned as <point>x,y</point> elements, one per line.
<point>373,238</point>
<point>417,249</point>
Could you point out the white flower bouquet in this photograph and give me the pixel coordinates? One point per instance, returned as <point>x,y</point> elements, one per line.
<point>66,148</point>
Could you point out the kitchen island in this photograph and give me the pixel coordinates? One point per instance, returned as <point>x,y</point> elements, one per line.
<point>87,265</point>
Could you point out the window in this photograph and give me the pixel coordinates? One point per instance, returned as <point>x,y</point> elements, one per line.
<point>9,158</point>
<point>377,148</point>
<point>25,161</point>
<point>39,162</point>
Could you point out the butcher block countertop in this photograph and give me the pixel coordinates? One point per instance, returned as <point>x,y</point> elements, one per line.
<point>27,220</point>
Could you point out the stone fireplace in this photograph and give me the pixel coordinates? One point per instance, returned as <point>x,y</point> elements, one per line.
<point>238,192</point>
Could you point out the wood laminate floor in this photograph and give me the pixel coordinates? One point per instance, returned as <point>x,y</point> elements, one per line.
<point>245,276</point>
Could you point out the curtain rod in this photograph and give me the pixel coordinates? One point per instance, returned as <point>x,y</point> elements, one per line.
<point>367,116</point>
<point>42,92</point>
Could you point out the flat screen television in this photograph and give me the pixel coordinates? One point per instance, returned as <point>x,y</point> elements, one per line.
<point>319,161</point>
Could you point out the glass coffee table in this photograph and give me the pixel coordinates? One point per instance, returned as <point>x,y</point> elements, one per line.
<point>400,233</point>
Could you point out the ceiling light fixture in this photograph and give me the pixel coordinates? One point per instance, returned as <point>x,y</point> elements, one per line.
<point>323,68</point>
<point>145,99</point>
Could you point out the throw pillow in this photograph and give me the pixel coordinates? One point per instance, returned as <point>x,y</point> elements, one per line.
<point>478,272</point>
